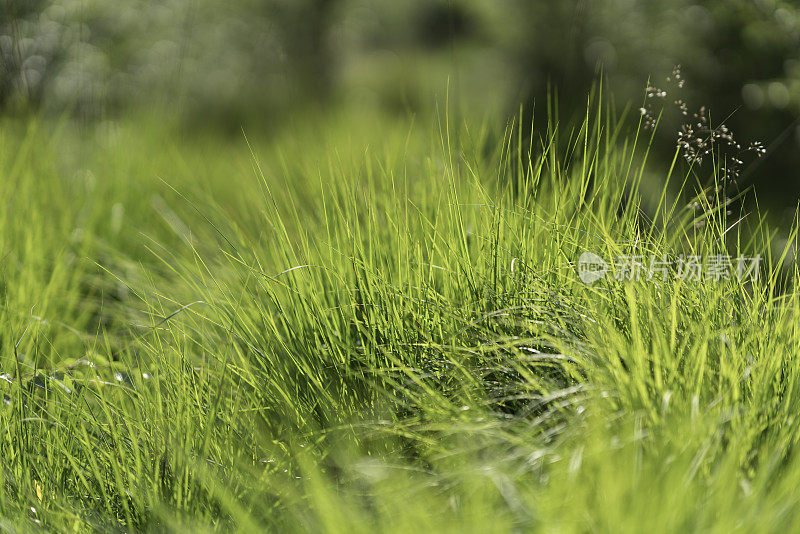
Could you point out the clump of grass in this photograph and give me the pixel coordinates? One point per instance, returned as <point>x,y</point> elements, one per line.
<point>342,331</point>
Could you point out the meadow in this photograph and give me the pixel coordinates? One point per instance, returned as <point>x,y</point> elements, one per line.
<point>376,324</point>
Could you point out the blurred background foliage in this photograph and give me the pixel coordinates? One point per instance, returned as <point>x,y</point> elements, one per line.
<point>255,63</point>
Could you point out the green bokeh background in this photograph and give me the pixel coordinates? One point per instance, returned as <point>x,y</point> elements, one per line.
<point>256,64</point>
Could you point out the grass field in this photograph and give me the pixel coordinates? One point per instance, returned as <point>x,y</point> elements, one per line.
<point>369,324</point>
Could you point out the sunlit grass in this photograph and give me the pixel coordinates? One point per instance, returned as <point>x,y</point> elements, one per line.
<point>360,326</point>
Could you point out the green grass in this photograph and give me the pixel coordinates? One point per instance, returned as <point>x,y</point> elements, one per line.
<point>368,324</point>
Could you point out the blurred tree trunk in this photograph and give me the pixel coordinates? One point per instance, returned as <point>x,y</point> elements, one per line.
<point>309,48</point>
<point>15,85</point>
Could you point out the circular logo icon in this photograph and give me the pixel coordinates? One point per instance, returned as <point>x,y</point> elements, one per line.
<point>591,267</point>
